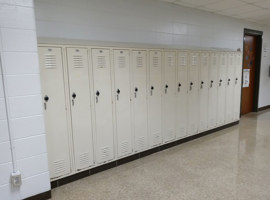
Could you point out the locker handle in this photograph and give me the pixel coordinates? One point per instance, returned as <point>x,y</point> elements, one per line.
<point>136,90</point>
<point>220,81</point>
<point>179,85</point>
<point>152,88</point>
<point>74,95</point>
<point>117,96</point>
<point>97,95</point>
<point>190,87</point>
<point>202,84</point>
<point>46,98</point>
<point>166,87</point>
<point>211,84</point>
<point>236,81</point>
<point>229,81</point>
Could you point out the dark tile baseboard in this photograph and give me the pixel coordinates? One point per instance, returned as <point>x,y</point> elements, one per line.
<point>41,196</point>
<point>121,161</point>
<point>263,108</point>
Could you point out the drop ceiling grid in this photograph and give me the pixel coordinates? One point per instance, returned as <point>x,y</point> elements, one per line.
<point>251,10</point>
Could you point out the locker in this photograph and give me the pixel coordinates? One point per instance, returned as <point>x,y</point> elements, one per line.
<point>230,88</point>
<point>139,67</point>
<point>121,64</point>
<point>53,90</point>
<point>182,81</point>
<point>193,94</point>
<point>169,100</point>
<point>213,86</point>
<point>203,91</point>
<point>237,86</point>
<point>221,101</point>
<point>155,102</point>
<point>103,104</point>
<point>79,91</point>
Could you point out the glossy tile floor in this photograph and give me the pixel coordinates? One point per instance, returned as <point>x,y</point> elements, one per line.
<point>232,164</point>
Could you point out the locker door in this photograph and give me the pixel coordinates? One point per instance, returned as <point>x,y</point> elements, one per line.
<point>155,105</point>
<point>193,93</point>
<point>139,60</point>
<point>182,97</point>
<point>121,61</point>
<point>222,89</point>
<point>230,88</point>
<point>203,92</point>
<point>213,88</point>
<point>169,100</point>
<point>53,90</point>
<point>103,105</point>
<point>79,91</point>
<point>237,86</point>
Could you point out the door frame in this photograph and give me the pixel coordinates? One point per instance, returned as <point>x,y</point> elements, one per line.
<point>258,35</point>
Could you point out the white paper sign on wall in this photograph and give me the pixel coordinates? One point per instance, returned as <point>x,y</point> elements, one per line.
<point>246,75</point>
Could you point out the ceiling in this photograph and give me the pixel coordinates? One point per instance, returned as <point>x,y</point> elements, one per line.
<point>251,10</point>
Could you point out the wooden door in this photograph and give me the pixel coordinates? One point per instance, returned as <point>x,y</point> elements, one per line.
<point>248,64</point>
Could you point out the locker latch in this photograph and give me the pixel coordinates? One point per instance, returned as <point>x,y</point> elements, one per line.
<point>136,90</point>
<point>202,84</point>
<point>152,88</point>
<point>73,97</point>
<point>229,81</point>
<point>211,84</point>
<point>166,88</point>
<point>220,81</point>
<point>97,95</point>
<point>236,81</point>
<point>179,86</point>
<point>190,86</point>
<point>46,99</point>
<point>117,96</point>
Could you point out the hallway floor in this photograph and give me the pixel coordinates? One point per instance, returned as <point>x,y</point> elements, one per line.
<point>232,164</point>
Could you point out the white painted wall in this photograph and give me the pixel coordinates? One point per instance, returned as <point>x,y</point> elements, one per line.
<point>18,48</point>
<point>146,21</point>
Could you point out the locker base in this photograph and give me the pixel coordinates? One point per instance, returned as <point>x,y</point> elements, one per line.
<point>121,161</point>
<point>41,196</point>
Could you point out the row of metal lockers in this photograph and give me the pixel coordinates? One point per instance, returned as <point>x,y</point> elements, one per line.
<point>102,104</point>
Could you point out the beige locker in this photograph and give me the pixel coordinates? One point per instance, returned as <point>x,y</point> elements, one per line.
<point>122,80</point>
<point>169,100</point>
<point>222,89</point>
<point>182,96</point>
<point>213,90</point>
<point>79,90</point>
<point>230,88</point>
<point>203,91</point>
<point>139,68</point>
<point>193,93</point>
<point>103,105</point>
<point>55,110</point>
<point>237,86</point>
<point>155,102</point>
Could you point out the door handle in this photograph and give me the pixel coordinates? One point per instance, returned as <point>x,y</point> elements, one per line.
<point>190,86</point>
<point>46,99</point>
<point>152,88</point>
<point>136,90</point>
<point>179,86</point>
<point>97,95</point>
<point>117,96</point>
<point>202,84</point>
<point>166,88</point>
<point>211,84</point>
<point>73,97</point>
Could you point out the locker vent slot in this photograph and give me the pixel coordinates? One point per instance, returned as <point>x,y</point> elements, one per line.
<point>77,61</point>
<point>183,61</point>
<point>121,61</point>
<point>124,147</point>
<point>59,167</point>
<point>101,61</point>
<point>105,153</point>
<point>214,61</point>
<point>50,61</point>
<point>170,61</point>
<point>223,61</point>
<point>141,143</point>
<point>194,60</point>
<point>84,159</point>
<point>139,61</point>
<point>156,61</point>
